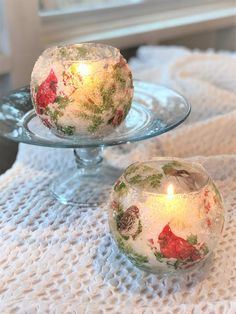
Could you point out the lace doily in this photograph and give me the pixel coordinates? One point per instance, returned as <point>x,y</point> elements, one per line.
<point>57,259</point>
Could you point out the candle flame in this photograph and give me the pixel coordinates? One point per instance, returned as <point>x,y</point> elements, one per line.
<point>170,189</point>
<point>83,69</point>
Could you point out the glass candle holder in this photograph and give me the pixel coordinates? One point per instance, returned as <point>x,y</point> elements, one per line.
<point>82,90</point>
<point>166,215</point>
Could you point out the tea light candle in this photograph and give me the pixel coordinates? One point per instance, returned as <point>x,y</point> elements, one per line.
<point>166,215</point>
<point>83,89</point>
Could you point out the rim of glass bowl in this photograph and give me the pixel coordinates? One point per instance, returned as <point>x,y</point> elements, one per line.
<point>115,52</point>
<point>184,194</point>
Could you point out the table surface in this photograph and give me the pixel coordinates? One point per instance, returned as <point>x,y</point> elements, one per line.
<point>58,259</point>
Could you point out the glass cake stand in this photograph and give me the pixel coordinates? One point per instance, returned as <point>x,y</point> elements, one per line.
<point>155,110</point>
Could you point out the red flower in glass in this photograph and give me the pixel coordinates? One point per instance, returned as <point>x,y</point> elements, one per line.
<point>118,118</point>
<point>47,123</point>
<point>173,246</point>
<point>47,91</point>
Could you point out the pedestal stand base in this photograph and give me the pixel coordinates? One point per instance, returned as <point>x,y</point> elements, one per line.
<point>88,185</point>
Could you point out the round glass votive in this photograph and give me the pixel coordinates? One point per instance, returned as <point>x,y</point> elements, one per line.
<point>83,89</point>
<point>166,215</point>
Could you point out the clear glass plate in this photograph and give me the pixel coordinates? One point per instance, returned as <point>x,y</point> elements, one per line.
<point>155,110</point>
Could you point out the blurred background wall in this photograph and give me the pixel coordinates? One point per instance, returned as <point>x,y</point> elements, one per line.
<point>27,27</point>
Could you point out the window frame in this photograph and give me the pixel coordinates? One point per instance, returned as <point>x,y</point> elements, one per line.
<point>21,45</point>
<point>135,24</point>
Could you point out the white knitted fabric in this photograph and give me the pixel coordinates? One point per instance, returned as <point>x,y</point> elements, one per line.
<point>56,259</point>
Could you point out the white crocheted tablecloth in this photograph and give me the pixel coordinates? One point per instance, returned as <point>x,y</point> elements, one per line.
<point>56,259</point>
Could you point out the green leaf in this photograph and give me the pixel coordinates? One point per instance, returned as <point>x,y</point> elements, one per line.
<point>192,239</point>
<point>205,249</point>
<point>82,51</point>
<point>107,97</point>
<point>131,169</point>
<point>63,51</point>
<point>68,130</point>
<point>140,227</point>
<point>119,76</point>
<point>136,258</point>
<point>91,107</point>
<point>54,114</point>
<point>139,230</point>
<point>62,101</point>
<point>175,264</point>
<point>127,107</point>
<point>217,191</point>
<point>136,179</point>
<point>96,122</point>
<point>120,187</point>
<point>119,216</point>
<point>83,115</point>
<point>159,256</point>
<point>154,180</point>
<point>121,245</point>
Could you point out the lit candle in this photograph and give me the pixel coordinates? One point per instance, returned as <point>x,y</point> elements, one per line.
<point>166,215</point>
<point>83,69</point>
<point>170,190</point>
<point>83,89</point>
